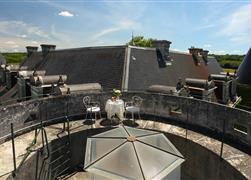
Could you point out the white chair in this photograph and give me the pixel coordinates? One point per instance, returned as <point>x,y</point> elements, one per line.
<point>133,106</point>
<point>91,107</point>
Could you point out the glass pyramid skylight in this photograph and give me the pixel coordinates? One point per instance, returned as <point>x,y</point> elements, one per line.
<point>130,153</point>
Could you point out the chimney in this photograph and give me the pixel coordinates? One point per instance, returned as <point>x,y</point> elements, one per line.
<point>46,48</point>
<point>162,49</point>
<point>162,44</point>
<point>195,53</point>
<point>30,50</point>
<point>204,54</point>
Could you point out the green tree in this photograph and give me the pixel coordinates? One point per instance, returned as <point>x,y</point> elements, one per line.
<point>14,58</point>
<point>140,41</point>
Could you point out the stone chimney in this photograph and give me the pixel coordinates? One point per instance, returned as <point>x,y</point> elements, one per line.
<point>204,54</point>
<point>162,49</point>
<point>46,48</point>
<point>195,53</point>
<point>30,50</point>
<point>162,44</point>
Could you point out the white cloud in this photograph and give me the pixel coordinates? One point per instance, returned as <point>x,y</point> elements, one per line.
<point>207,45</point>
<point>121,25</point>
<point>237,51</point>
<point>106,31</point>
<point>238,25</point>
<point>175,49</point>
<point>15,35</point>
<point>11,27</point>
<point>34,42</point>
<point>218,52</point>
<point>22,36</point>
<point>203,27</point>
<point>10,42</point>
<point>65,14</point>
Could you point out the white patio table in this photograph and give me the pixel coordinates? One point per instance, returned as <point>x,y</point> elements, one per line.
<point>115,107</point>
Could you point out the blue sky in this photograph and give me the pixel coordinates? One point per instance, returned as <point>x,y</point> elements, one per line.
<point>219,26</point>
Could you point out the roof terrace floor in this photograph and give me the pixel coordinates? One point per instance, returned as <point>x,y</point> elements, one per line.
<point>238,159</point>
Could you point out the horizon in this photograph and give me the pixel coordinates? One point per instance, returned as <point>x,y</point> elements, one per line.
<point>222,27</point>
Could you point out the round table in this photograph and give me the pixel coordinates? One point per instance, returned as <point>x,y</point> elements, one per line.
<point>115,107</point>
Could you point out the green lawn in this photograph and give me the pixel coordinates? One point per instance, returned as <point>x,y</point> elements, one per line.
<point>229,70</point>
<point>14,58</point>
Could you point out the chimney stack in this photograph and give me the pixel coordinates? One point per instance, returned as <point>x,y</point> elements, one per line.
<point>46,48</point>
<point>204,54</point>
<point>30,50</point>
<point>162,44</point>
<point>162,49</point>
<point>195,51</point>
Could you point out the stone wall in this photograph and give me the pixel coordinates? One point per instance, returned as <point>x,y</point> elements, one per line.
<point>215,118</point>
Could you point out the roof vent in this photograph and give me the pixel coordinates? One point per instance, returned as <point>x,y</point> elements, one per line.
<point>46,48</point>
<point>162,50</point>
<point>30,50</point>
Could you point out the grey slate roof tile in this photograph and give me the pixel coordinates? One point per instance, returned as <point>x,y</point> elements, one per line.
<point>32,62</point>
<point>102,65</point>
<point>144,69</point>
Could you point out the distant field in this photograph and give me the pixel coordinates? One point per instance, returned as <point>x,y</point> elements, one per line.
<point>14,58</point>
<point>228,61</point>
<point>229,70</point>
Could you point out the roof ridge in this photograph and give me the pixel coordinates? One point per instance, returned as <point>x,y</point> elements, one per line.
<point>88,47</point>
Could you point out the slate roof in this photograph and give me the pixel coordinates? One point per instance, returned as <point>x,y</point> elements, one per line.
<point>102,65</point>
<point>105,65</point>
<point>213,66</point>
<point>11,94</point>
<point>2,59</point>
<point>144,69</point>
<point>32,62</point>
<point>244,72</point>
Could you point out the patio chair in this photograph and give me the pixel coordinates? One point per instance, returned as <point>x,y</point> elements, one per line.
<point>91,107</point>
<point>133,106</point>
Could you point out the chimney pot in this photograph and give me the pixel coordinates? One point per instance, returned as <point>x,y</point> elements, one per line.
<point>195,51</point>
<point>46,48</point>
<point>30,50</point>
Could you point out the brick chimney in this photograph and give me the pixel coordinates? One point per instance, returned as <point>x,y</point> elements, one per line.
<point>162,49</point>
<point>46,48</point>
<point>30,50</point>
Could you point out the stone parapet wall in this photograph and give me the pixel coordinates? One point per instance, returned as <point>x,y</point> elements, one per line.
<point>234,123</point>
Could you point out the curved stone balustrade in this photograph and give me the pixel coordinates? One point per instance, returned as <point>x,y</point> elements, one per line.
<point>217,119</point>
